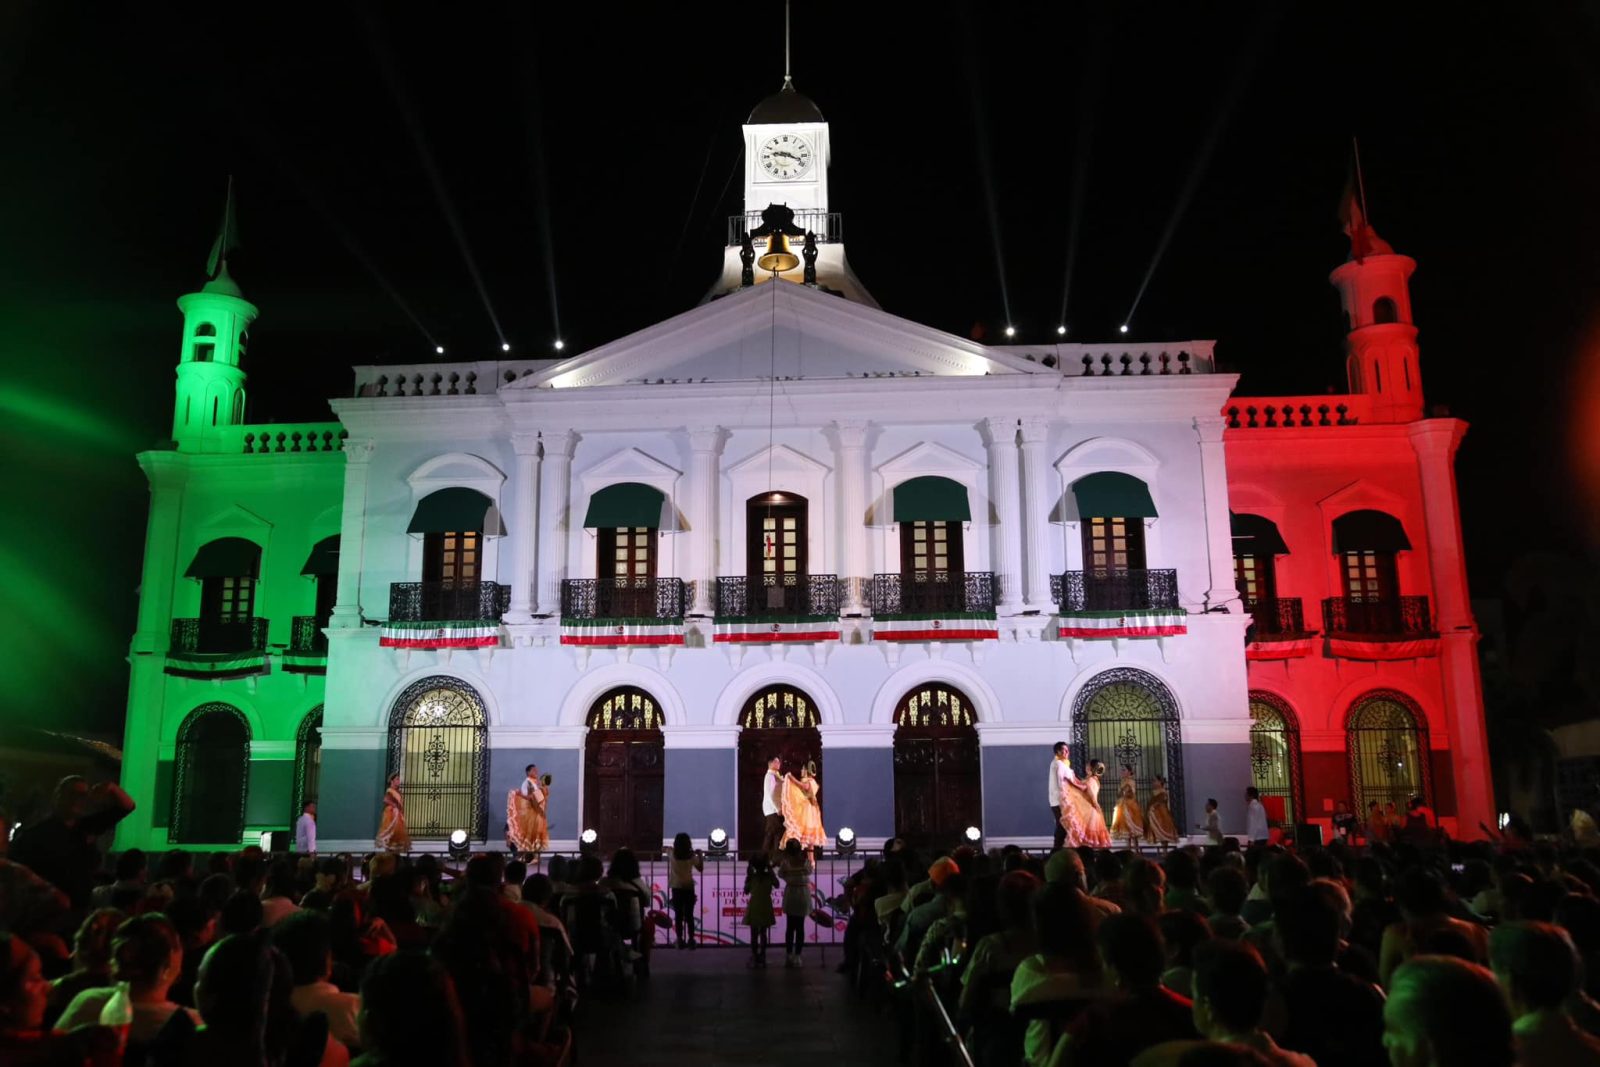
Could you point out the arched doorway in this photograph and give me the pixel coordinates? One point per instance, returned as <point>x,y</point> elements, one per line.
<point>937,785</point>
<point>1388,751</point>
<point>1125,716</point>
<point>210,776</point>
<point>781,721</point>
<point>307,761</point>
<point>1275,756</point>
<point>623,771</point>
<point>439,742</point>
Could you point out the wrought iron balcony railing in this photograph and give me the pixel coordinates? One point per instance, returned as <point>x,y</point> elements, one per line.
<point>217,635</point>
<point>306,637</point>
<point>778,594</point>
<point>447,601</point>
<point>622,598</point>
<point>919,592</point>
<point>1401,616</point>
<point>1116,590</point>
<point>827,225</point>
<point>1276,618</point>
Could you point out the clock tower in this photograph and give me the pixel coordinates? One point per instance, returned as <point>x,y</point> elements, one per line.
<point>786,159</point>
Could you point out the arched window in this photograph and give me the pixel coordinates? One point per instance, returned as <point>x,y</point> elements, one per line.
<point>780,721</point>
<point>210,776</point>
<point>307,761</point>
<point>204,350</point>
<point>1275,757</point>
<point>1125,717</point>
<point>438,742</point>
<point>624,770</point>
<point>937,778</point>
<point>1366,542</point>
<point>779,707</point>
<point>1388,751</point>
<point>932,513</point>
<point>1384,310</point>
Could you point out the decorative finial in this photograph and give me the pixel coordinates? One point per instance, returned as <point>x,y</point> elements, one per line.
<point>227,240</point>
<point>788,83</point>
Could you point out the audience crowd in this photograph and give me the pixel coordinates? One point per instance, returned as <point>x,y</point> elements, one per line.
<point>1413,954</point>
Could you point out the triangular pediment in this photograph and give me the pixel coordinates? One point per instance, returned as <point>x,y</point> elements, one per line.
<point>630,465</point>
<point>781,330</point>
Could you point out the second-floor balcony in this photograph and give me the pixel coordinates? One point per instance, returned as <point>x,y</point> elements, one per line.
<point>308,645</point>
<point>931,592</point>
<point>622,598</point>
<point>778,594</point>
<point>1116,590</point>
<point>1277,618</point>
<point>448,601</point>
<point>204,636</point>
<point>1394,618</point>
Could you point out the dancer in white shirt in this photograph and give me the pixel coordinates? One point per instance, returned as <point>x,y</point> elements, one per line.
<point>305,829</point>
<point>1060,767</point>
<point>772,807</point>
<point>527,817</point>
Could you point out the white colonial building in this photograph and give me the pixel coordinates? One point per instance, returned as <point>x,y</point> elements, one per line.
<point>785,521</point>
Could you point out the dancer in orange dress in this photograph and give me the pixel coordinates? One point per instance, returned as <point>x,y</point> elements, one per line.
<point>392,833</point>
<point>1081,816</point>
<point>1127,821</point>
<point>1159,826</point>
<point>802,810</point>
<point>527,813</point>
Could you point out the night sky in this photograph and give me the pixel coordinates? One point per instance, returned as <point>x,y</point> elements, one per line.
<point>589,153</point>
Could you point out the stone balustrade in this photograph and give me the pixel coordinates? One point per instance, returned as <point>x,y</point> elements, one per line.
<point>484,377</point>
<point>1293,412</point>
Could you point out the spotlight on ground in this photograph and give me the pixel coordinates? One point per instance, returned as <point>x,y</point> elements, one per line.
<point>973,835</point>
<point>560,344</point>
<point>458,844</point>
<point>845,841</point>
<point>439,349</point>
<point>1123,328</point>
<point>1061,330</point>
<point>589,843</point>
<point>717,843</point>
<point>1011,331</point>
<point>505,346</point>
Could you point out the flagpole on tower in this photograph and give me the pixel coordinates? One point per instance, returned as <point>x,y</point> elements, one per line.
<point>787,83</point>
<point>1361,184</point>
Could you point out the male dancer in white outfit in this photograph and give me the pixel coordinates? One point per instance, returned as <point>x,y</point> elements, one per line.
<point>771,811</point>
<point>1060,774</point>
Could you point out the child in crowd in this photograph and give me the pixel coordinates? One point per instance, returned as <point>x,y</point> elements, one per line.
<point>685,860</point>
<point>759,882</point>
<point>1213,824</point>
<point>796,874</point>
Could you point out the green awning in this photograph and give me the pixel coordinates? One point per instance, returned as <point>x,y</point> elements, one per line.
<point>1112,494</point>
<point>931,499</point>
<point>324,558</point>
<point>625,504</point>
<point>1369,531</point>
<point>456,510</point>
<point>1256,536</point>
<point>226,557</point>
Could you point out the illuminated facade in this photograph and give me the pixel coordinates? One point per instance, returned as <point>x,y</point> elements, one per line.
<point>786,521</point>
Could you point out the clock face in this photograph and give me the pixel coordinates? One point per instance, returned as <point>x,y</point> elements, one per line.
<point>785,156</point>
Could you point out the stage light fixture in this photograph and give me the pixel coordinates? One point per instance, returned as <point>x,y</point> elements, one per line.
<point>459,845</point>
<point>1062,330</point>
<point>973,835</point>
<point>266,841</point>
<point>560,344</point>
<point>439,349</point>
<point>844,842</point>
<point>1123,328</point>
<point>1011,331</point>
<point>505,346</point>
<point>717,843</point>
<point>589,843</point>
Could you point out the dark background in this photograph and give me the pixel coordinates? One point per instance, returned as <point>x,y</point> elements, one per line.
<point>589,153</point>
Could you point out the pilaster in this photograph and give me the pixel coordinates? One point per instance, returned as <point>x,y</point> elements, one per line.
<point>1036,512</point>
<point>1005,491</point>
<point>853,511</point>
<point>705,445</point>
<point>352,535</point>
<point>555,505</point>
<point>1222,590</point>
<point>524,526</point>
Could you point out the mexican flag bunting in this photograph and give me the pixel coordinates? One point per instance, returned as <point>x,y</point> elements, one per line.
<point>1122,624</point>
<point>1351,648</point>
<point>474,634</point>
<point>943,626</point>
<point>622,631</point>
<point>747,630</point>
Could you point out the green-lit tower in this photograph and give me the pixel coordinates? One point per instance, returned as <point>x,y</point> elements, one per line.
<point>216,325</point>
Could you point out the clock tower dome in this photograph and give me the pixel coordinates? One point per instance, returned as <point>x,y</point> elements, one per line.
<point>786,159</point>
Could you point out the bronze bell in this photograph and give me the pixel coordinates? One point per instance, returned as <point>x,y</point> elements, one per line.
<point>778,258</point>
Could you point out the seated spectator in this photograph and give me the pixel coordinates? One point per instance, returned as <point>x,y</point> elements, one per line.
<point>1230,997</point>
<point>1373,909</point>
<point>1064,975</point>
<point>410,1015</point>
<point>935,907</point>
<point>241,914</point>
<point>391,903</point>
<point>1537,967</point>
<point>893,873</point>
<point>1183,881</point>
<point>939,944</point>
<point>516,874</point>
<point>1228,889</point>
<point>1446,1013</point>
<point>493,974</point>
<point>1352,958</point>
<point>1145,887</point>
<point>1183,931</point>
<point>1421,898</point>
<point>146,954</point>
<point>555,947</point>
<point>177,866</point>
<point>1140,1013</point>
<point>632,895</point>
<point>91,960</point>
<point>306,941</point>
<point>196,925</point>
<point>1108,879</point>
<point>991,965</point>
<point>128,887</point>
<point>1579,916</point>
<point>427,903</point>
<point>331,878</point>
<point>1331,1016</point>
<point>358,938</point>
<point>24,1040</point>
<point>278,898</point>
<point>215,890</point>
<point>1280,876</point>
<point>1066,866</point>
<point>925,890</point>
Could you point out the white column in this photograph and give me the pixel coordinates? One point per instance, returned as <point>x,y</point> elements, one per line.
<point>853,513</point>
<point>1036,513</point>
<point>352,535</point>
<point>1435,442</point>
<point>524,530</point>
<point>1005,491</point>
<point>555,506</point>
<point>705,444</point>
<point>1222,589</point>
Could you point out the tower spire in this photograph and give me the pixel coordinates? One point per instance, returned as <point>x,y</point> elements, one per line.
<point>227,241</point>
<point>788,82</point>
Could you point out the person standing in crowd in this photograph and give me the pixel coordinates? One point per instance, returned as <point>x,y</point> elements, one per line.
<point>1127,819</point>
<point>681,868</point>
<point>1139,1013</point>
<point>1060,767</point>
<point>1213,824</point>
<point>411,1015</point>
<point>1445,1012</point>
<point>131,870</point>
<point>91,959</point>
<point>1377,829</point>
<point>1255,817</point>
<point>24,1039</point>
<point>1539,971</point>
<point>759,883</point>
<point>305,829</point>
<point>392,833</point>
<point>306,940</point>
<point>772,807</point>
<point>62,847</point>
<point>796,874</point>
<point>1159,827</point>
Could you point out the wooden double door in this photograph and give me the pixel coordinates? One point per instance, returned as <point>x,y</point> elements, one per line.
<point>623,788</point>
<point>794,747</point>
<point>938,788</point>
